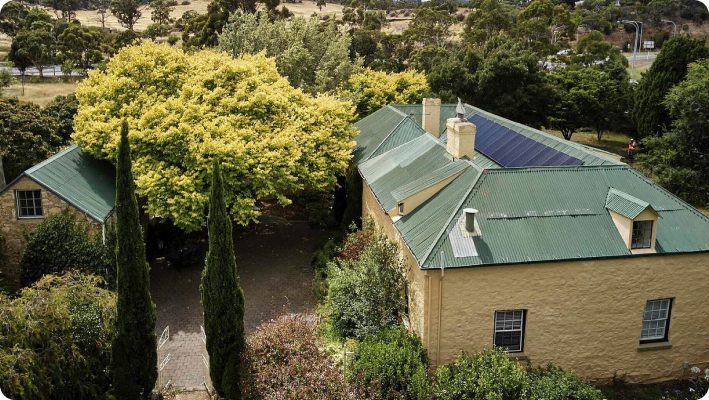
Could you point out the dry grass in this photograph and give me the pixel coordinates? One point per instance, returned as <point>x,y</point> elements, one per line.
<point>5,42</point>
<point>40,93</point>
<point>307,8</point>
<point>612,142</point>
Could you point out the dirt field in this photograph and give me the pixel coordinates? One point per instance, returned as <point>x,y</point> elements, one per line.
<point>613,142</point>
<point>40,93</point>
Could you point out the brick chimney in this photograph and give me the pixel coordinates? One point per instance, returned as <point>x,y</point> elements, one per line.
<point>461,135</point>
<point>431,118</point>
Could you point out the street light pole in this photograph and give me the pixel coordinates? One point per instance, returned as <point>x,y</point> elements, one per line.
<point>577,32</point>
<point>674,26</point>
<point>635,47</point>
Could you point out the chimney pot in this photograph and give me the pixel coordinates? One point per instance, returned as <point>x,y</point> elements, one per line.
<point>470,219</point>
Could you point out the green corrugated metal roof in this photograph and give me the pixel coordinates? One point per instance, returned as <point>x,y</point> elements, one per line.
<point>83,181</point>
<point>525,214</point>
<point>429,179</point>
<point>405,131</point>
<point>625,204</point>
<point>374,129</point>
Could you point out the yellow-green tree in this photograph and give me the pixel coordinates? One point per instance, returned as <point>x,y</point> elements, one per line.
<point>371,90</point>
<point>186,109</point>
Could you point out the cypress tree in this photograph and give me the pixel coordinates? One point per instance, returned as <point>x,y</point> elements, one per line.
<point>134,361</point>
<point>222,297</point>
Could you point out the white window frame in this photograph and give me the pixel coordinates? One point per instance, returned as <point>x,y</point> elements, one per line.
<point>520,330</point>
<point>401,209</point>
<point>632,237</point>
<point>19,208</point>
<point>648,321</point>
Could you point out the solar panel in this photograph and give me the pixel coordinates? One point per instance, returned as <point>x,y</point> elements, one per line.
<point>512,149</point>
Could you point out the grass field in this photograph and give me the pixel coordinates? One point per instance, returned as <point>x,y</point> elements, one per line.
<point>40,93</point>
<point>306,8</point>
<point>612,142</point>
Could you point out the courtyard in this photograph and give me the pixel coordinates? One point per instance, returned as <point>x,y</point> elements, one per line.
<point>273,263</point>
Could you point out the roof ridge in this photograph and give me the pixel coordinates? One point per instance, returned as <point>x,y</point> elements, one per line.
<point>565,168</point>
<point>454,213</point>
<point>391,106</point>
<point>51,159</point>
<point>385,139</point>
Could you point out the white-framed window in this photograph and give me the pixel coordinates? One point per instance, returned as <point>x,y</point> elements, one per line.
<point>509,330</point>
<point>656,321</point>
<point>401,208</point>
<point>642,235</point>
<point>29,203</point>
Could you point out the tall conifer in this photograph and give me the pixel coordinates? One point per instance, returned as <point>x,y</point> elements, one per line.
<point>134,361</point>
<point>222,297</point>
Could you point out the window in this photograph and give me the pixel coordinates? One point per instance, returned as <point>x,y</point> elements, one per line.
<point>656,321</point>
<point>401,208</point>
<point>509,330</point>
<point>29,203</point>
<point>642,235</point>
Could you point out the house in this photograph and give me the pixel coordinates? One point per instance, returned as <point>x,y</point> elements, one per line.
<point>69,179</point>
<point>553,250</point>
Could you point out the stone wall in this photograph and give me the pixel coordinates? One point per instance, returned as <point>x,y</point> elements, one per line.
<point>12,228</point>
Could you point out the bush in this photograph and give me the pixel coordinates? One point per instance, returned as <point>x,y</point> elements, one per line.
<point>59,244</point>
<point>395,363</point>
<point>321,259</point>
<point>553,383</point>
<point>186,2</point>
<point>55,339</point>
<point>282,360</point>
<point>154,31</point>
<point>489,374</point>
<point>172,40</point>
<point>365,293</point>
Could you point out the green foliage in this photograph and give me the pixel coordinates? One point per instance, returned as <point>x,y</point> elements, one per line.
<point>154,31</point>
<point>32,47</point>
<point>321,259</point>
<point>59,244</point>
<point>161,12</point>
<point>127,12</point>
<point>669,69</point>
<point>55,339</point>
<point>63,109</point>
<point>489,374</point>
<point>283,360</point>
<point>353,198</point>
<point>371,90</point>
<point>6,79</point>
<point>134,357</point>
<point>357,307</point>
<point>593,48</point>
<point>274,140</point>
<point>172,40</point>
<point>394,362</point>
<point>222,297</point>
<point>12,18</point>
<point>204,31</point>
<point>126,38</point>
<point>429,27</point>
<point>27,136</point>
<point>679,158</point>
<point>314,56</point>
<point>553,383</point>
<point>83,45</point>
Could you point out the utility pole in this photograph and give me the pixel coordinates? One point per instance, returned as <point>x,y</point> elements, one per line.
<point>577,32</point>
<point>635,47</point>
<point>674,26</point>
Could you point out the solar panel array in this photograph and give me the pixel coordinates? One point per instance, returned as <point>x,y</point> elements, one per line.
<point>511,149</point>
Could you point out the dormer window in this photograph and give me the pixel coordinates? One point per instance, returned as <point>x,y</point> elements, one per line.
<point>642,235</point>
<point>401,208</point>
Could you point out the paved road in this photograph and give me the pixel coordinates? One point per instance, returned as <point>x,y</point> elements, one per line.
<point>273,263</point>
<point>50,70</point>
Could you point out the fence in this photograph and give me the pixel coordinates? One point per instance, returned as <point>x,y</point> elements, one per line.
<point>163,358</point>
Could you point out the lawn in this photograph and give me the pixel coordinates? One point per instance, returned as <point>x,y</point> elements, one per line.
<point>612,142</point>
<point>40,93</point>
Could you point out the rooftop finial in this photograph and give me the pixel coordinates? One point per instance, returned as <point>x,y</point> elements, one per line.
<point>460,110</point>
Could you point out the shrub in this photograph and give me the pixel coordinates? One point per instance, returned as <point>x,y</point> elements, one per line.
<point>59,244</point>
<point>553,383</point>
<point>366,293</point>
<point>172,40</point>
<point>489,374</point>
<point>154,31</point>
<point>321,259</point>
<point>55,339</point>
<point>186,2</point>
<point>394,362</point>
<point>282,360</point>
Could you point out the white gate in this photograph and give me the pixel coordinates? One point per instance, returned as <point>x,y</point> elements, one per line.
<point>163,359</point>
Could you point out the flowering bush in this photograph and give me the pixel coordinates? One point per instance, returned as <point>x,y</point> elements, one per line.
<point>282,361</point>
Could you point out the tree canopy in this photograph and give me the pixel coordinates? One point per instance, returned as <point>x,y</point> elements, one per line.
<point>372,90</point>
<point>187,108</point>
<point>314,56</point>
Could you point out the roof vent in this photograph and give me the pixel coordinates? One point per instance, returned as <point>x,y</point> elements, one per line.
<point>470,219</point>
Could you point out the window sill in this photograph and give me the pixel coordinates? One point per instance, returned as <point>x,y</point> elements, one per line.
<point>37,217</point>
<point>654,346</point>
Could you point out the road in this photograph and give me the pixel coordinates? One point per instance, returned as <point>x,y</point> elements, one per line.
<point>49,70</point>
<point>641,57</point>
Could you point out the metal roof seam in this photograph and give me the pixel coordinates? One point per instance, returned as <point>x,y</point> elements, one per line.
<point>385,139</point>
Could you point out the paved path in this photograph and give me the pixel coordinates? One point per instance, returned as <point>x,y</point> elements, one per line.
<point>273,263</point>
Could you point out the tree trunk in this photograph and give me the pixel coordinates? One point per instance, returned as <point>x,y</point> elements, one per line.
<point>599,134</point>
<point>567,133</point>
<point>2,173</point>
